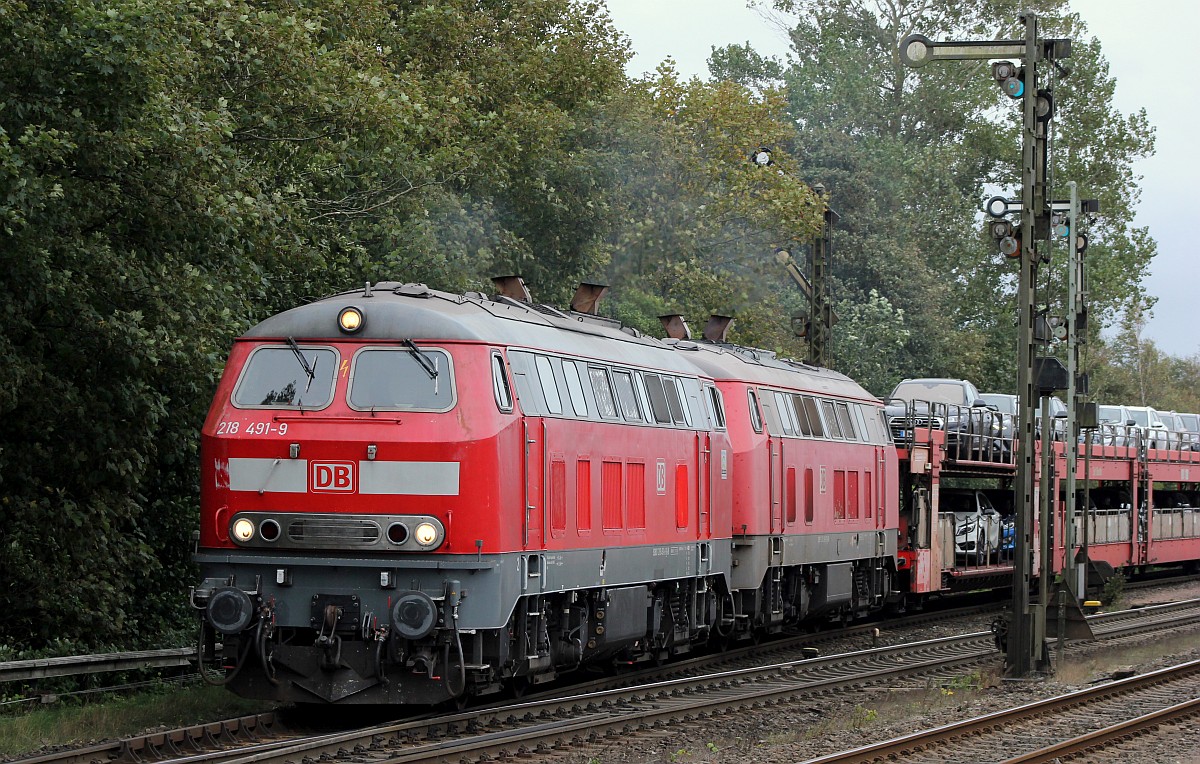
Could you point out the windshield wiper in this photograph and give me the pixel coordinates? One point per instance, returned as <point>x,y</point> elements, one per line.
<point>429,368</point>
<point>311,371</point>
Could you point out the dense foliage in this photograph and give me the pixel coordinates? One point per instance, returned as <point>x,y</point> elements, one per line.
<point>172,172</point>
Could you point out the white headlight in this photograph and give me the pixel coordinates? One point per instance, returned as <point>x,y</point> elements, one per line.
<point>243,529</point>
<point>426,534</point>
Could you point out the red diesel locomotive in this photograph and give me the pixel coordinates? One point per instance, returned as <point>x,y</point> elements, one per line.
<point>410,497</point>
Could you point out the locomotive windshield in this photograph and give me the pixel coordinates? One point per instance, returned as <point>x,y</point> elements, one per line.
<point>392,378</point>
<point>274,376</point>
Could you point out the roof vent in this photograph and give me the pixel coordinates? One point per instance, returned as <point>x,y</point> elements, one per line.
<point>675,327</point>
<point>413,290</point>
<point>587,297</point>
<point>512,287</point>
<point>717,327</point>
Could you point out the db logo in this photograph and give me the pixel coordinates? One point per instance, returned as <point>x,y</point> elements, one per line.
<point>331,477</point>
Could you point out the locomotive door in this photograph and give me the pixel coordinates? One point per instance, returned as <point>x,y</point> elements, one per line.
<point>703,483</point>
<point>536,454</point>
<point>880,488</point>
<point>775,459</point>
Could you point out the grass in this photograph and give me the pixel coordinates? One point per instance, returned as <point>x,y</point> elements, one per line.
<point>71,723</point>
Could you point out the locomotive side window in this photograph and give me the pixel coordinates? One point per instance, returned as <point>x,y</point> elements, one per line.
<point>575,388</point>
<point>658,399</point>
<point>522,369</point>
<point>786,417</point>
<point>831,420</point>
<point>603,390</point>
<point>755,418</point>
<point>814,417</point>
<point>801,416</point>
<point>287,377</point>
<point>549,388</point>
<point>693,406</point>
<point>500,384</point>
<point>674,403</point>
<point>860,424</point>
<point>623,381</point>
<point>770,416</point>
<point>390,378</point>
<point>843,415</point>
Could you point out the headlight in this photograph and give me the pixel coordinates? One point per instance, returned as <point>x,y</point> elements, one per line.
<point>350,320</point>
<point>243,530</point>
<point>426,534</point>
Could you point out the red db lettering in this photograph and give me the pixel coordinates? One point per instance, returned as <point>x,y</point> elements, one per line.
<point>332,477</point>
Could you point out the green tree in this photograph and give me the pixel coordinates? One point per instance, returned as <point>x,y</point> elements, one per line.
<point>910,154</point>
<point>699,221</point>
<point>173,172</point>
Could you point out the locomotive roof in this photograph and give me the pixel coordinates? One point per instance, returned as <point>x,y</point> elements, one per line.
<point>722,361</point>
<point>395,311</point>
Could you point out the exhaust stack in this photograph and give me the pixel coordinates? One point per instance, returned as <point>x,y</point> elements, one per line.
<point>512,287</point>
<point>717,327</point>
<point>587,297</point>
<point>675,327</point>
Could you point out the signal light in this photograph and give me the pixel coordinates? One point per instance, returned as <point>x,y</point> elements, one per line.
<point>1081,242</point>
<point>1006,236</point>
<point>1010,78</point>
<point>1000,228</point>
<point>1044,107</point>
<point>1010,246</point>
<point>1060,225</point>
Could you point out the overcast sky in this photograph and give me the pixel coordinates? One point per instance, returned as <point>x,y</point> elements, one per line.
<point>1149,46</point>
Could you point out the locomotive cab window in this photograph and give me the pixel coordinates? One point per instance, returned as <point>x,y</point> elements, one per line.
<point>714,400</point>
<point>294,376</point>
<point>500,384</point>
<point>755,417</point>
<point>406,379</point>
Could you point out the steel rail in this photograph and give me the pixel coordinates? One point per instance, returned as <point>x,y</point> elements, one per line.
<point>1102,738</point>
<point>614,708</point>
<point>926,742</point>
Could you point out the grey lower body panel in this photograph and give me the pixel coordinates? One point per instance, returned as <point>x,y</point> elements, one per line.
<point>755,555</point>
<point>490,585</point>
<point>332,629</point>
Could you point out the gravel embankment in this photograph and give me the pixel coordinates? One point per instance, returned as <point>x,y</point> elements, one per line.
<point>831,723</point>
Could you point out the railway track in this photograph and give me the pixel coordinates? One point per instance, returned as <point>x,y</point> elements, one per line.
<point>559,723</point>
<point>1069,723</point>
<point>184,657</point>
